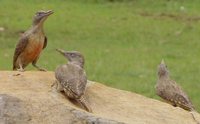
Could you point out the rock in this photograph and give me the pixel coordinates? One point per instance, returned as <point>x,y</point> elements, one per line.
<point>28,98</point>
<point>12,110</point>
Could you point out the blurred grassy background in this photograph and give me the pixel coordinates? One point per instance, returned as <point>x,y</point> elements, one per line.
<point>123,41</point>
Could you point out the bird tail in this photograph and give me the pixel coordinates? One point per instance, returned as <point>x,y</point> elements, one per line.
<point>193,116</point>
<point>84,104</point>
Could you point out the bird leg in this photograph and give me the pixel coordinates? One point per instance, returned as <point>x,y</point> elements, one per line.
<point>36,66</point>
<point>39,68</point>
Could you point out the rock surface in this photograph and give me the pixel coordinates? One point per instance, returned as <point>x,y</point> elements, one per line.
<point>29,99</point>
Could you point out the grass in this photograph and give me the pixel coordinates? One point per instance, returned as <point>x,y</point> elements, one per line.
<point>123,42</point>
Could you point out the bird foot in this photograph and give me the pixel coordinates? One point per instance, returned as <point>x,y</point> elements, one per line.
<point>17,74</point>
<point>21,70</point>
<point>42,69</point>
<point>54,85</point>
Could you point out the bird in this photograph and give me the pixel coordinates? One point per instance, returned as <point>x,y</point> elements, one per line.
<point>71,77</point>
<point>171,92</point>
<point>31,43</point>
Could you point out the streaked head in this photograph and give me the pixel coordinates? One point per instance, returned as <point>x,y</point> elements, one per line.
<point>162,69</point>
<point>73,56</point>
<point>41,16</point>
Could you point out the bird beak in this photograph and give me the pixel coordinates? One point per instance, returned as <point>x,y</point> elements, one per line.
<point>61,51</point>
<point>64,53</point>
<point>47,13</point>
<point>163,62</point>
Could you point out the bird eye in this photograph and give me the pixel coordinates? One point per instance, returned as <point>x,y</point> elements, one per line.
<point>38,13</point>
<point>72,55</point>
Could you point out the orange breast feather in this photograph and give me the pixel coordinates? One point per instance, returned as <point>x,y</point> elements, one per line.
<point>33,50</point>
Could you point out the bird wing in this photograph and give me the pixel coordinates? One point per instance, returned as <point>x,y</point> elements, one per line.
<point>21,45</point>
<point>72,78</point>
<point>82,81</point>
<point>77,82</point>
<point>163,94</point>
<point>45,42</point>
<point>72,88</point>
<point>69,90</point>
<point>180,95</point>
<point>183,101</point>
<point>177,96</point>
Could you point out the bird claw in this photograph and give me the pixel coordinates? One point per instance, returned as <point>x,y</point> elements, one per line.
<point>16,74</point>
<point>42,69</point>
<point>21,70</point>
<point>53,85</point>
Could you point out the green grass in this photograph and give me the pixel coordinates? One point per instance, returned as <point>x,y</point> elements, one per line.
<point>123,42</point>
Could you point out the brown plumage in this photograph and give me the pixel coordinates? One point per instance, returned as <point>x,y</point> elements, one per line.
<point>31,43</point>
<point>71,77</point>
<point>170,91</point>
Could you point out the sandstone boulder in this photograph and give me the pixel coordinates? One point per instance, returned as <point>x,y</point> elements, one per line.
<point>27,98</point>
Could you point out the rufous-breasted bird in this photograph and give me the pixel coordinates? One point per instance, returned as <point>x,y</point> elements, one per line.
<point>31,43</point>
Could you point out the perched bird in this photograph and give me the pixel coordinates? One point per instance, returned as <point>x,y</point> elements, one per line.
<point>71,77</point>
<point>31,43</point>
<point>171,92</point>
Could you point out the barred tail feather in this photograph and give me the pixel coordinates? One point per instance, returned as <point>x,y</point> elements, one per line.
<point>84,104</point>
